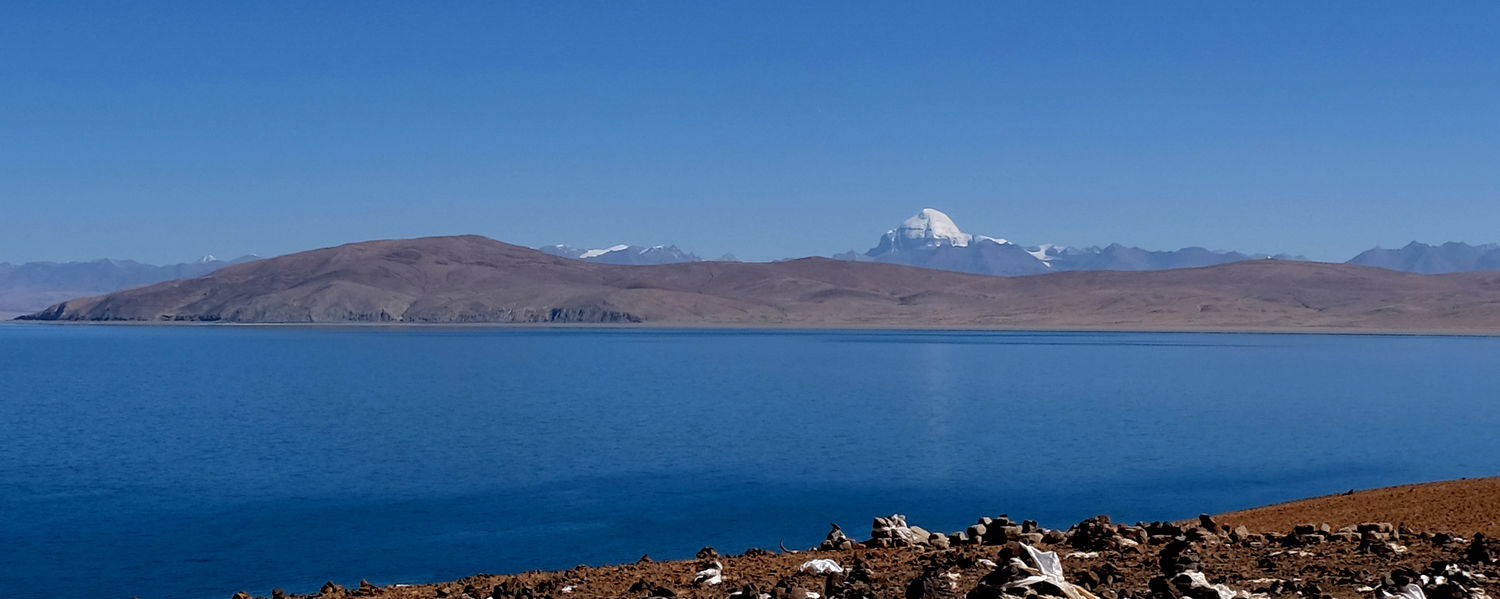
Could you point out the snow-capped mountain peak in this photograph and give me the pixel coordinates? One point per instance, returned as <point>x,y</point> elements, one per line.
<point>931,227</point>
<point>931,239</point>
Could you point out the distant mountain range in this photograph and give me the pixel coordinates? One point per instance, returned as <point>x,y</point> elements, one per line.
<point>476,279</point>
<point>1434,259</point>
<point>932,240</point>
<point>33,285</point>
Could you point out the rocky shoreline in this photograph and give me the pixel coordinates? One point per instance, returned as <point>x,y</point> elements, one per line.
<point>999,557</point>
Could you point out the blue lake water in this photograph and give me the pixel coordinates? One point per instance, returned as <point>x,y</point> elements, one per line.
<point>191,462</point>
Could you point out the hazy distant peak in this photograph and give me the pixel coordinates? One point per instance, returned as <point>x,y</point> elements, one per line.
<point>1047,252</point>
<point>1425,258</point>
<point>624,254</point>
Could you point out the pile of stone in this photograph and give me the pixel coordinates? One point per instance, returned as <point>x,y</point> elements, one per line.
<point>1099,534</point>
<point>1373,537</point>
<point>837,541</point>
<point>1001,530</point>
<point>893,531</point>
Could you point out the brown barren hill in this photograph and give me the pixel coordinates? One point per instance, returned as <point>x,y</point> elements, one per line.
<point>1463,506</point>
<point>476,279</point>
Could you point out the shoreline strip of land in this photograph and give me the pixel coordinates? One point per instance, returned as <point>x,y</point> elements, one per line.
<point>1405,542</point>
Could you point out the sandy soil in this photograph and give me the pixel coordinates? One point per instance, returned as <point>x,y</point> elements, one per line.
<point>1342,546</point>
<point>1468,506</point>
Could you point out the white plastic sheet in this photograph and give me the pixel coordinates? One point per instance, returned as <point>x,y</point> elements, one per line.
<point>1201,581</point>
<point>822,566</point>
<point>1049,568</point>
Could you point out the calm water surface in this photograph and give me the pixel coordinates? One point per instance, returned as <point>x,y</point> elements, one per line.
<point>191,462</point>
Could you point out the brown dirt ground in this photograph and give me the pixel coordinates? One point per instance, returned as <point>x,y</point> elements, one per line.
<point>1463,506</point>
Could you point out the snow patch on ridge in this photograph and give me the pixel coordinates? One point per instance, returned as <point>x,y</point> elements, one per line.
<point>597,253</point>
<point>1046,252</point>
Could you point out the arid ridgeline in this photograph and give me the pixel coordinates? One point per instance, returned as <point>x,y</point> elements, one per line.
<point>475,279</point>
<point>1206,558</point>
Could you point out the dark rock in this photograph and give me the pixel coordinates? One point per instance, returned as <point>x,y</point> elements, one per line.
<point>277,593</point>
<point>1093,534</point>
<point>1164,529</point>
<point>1189,588</point>
<point>1134,533</point>
<point>1161,587</point>
<point>1200,534</point>
<point>242,595</point>
<point>329,588</point>
<point>1482,550</point>
<point>1448,590</point>
<point>1108,574</point>
<point>708,553</point>
<point>1178,557</point>
<point>641,587</point>
<point>860,571</point>
<point>933,585</point>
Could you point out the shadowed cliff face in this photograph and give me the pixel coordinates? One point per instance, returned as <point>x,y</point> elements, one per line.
<point>475,279</point>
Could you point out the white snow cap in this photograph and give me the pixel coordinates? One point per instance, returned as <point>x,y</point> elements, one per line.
<point>933,227</point>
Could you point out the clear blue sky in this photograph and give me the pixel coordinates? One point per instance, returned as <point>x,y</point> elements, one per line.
<point>162,132</point>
